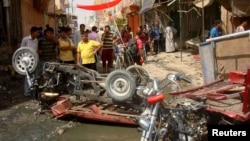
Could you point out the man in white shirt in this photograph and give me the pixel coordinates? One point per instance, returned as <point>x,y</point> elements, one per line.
<point>100,32</point>
<point>242,26</point>
<point>32,42</point>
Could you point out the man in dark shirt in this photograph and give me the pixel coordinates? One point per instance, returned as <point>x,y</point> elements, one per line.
<point>47,48</point>
<point>156,38</point>
<point>151,36</point>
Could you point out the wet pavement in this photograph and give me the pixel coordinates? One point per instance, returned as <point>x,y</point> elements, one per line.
<point>21,121</point>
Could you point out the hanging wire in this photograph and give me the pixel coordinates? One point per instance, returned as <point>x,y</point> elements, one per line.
<point>116,26</point>
<point>193,8</point>
<point>165,14</point>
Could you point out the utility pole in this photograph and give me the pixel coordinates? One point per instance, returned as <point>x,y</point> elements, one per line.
<point>181,28</point>
<point>72,11</point>
<point>55,18</point>
<point>72,8</point>
<point>203,22</point>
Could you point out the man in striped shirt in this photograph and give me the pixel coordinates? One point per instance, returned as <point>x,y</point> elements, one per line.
<point>107,49</point>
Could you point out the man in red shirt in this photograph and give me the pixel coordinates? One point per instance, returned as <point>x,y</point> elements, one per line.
<point>125,36</point>
<point>138,59</point>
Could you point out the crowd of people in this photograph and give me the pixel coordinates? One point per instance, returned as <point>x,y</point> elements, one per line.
<point>86,47</point>
<point>83,48</point>
<point>66,47</point>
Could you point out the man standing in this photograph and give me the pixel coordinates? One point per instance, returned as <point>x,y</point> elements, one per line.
<point>47,47</point>
<point>77,37</point>
<point>66,47</point>
<point>100,32</point>
<point>156,38</point>
<point>138,59</point>
<point>216,30</point>
<point>94,36</point>
<point>242,27</point>
<point>47,50</point>
<point>170,31</point>
<point>32,42</point>
<point>86,51</point>
<point>125,35</point>
<point>107,49</point>
<point>151,36</point>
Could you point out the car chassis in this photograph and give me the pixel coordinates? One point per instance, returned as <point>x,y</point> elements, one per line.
<point>67,89</point>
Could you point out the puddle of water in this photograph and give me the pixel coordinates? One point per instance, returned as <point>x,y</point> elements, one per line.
<point>20,123</point>
<point>100,132</point>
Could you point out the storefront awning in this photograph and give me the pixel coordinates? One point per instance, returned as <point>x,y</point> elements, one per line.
<point>146,5</point>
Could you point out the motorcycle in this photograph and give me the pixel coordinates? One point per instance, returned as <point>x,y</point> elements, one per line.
<point>179,119</point>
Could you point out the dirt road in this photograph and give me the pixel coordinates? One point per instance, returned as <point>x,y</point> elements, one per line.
<point>186,62</point>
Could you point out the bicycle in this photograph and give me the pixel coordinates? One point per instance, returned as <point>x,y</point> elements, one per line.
<point>123,59</point>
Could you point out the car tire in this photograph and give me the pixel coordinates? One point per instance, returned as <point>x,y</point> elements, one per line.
<point>120,85</point>
<point>28,55</point>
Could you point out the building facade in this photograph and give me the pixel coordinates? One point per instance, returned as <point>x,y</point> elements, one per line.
<point>18,16</point>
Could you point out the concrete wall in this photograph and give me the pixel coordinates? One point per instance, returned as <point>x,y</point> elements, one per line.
<point>33,17</point>
<point>233,53</point>
<point>30,16</point>
<point>224,54</point>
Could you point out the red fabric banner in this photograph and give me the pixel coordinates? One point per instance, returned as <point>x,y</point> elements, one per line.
<point>99,6</point>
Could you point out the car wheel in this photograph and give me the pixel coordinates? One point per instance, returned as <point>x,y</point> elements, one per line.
<point>25,57</point>
<point>120,85</point>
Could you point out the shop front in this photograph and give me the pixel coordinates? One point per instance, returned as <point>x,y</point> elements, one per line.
<point>133,17</point>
